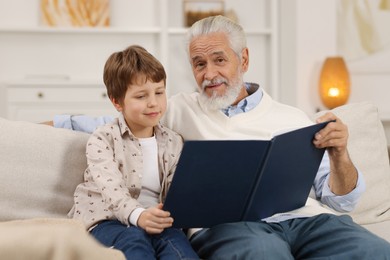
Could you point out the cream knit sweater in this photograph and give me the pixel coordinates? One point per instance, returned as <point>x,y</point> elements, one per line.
<point>193,121</point>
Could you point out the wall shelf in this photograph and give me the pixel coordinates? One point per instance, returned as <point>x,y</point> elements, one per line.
<point>82,30</point>
<point>112,30</point>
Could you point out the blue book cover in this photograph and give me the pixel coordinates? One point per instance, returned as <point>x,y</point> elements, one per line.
<point>221,181</point>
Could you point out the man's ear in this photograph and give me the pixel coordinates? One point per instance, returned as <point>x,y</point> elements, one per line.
<point>116,104</point>
<point>245,59</point>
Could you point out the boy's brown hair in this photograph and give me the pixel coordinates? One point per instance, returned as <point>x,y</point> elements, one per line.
<point>134,65</point>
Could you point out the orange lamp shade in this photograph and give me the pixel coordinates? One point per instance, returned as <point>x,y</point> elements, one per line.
<point>334,84</point>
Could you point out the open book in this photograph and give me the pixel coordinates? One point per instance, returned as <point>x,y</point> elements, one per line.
<point>220,181</point>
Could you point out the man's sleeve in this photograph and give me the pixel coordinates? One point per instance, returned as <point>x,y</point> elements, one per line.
<point>345,203</point>
<point>81,123</point>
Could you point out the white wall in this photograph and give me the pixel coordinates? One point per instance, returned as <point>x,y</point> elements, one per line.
<point>308,37</point>
<point>316,39</point>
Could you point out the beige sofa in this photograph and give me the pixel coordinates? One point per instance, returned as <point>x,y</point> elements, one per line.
<point>40,167</point>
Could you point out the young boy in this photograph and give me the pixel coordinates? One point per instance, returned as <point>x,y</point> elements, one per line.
<point>131,162</point>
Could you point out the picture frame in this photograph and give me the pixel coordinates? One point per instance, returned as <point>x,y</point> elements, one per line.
<point>196,10</point>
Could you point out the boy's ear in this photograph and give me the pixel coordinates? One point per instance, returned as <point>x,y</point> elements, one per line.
<point>116,104</point>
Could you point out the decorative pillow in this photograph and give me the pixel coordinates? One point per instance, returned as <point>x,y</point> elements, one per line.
<point>367,147</point>
<point>40,168</point>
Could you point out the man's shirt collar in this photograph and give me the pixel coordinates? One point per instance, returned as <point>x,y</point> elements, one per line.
<point>254,97</point>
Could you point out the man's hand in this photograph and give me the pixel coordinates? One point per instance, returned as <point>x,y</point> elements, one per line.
<point>154,220</point>
<point>334,137</point>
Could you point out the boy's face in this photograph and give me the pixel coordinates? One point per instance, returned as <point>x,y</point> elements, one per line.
<point>143,106</point>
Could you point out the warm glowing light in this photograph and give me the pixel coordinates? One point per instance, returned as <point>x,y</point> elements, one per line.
<point>334,82</point>
<point>333,92</point>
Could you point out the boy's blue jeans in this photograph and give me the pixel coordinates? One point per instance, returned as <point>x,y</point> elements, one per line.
<point>135,243</point>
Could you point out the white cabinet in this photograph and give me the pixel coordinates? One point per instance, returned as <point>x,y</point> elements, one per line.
<point>38,101</point>
<point>28,50</point>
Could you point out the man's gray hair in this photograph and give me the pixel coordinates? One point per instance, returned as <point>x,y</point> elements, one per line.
<point>213,24</point>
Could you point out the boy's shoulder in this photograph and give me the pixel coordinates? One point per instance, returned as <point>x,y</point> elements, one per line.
<point>107,128</point>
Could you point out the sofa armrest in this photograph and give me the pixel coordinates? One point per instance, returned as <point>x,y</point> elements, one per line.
<point>51,239</point>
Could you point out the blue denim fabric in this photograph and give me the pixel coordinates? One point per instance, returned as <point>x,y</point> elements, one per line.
<point>135,243</point>
<point>324,236</point>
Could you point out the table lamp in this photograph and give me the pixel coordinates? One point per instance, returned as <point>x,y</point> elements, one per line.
<point>334,86</point>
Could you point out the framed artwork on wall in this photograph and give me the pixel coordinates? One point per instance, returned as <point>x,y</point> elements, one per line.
<point>364,35</point>
<point>195,10</point>
<point>364,41</point>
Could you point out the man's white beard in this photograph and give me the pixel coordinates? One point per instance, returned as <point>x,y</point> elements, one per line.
<point>216,102</point>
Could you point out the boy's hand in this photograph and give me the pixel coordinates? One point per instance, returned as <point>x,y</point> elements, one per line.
<point>154,220</point>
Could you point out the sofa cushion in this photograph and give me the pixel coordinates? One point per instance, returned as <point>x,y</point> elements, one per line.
<point>367,147</point>
<point>40,168</point>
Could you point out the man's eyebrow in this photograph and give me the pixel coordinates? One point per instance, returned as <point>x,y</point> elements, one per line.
<point>216,53</point>
<point>195,58</point>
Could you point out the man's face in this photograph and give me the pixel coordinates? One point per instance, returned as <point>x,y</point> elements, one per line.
<point>217,69</point>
